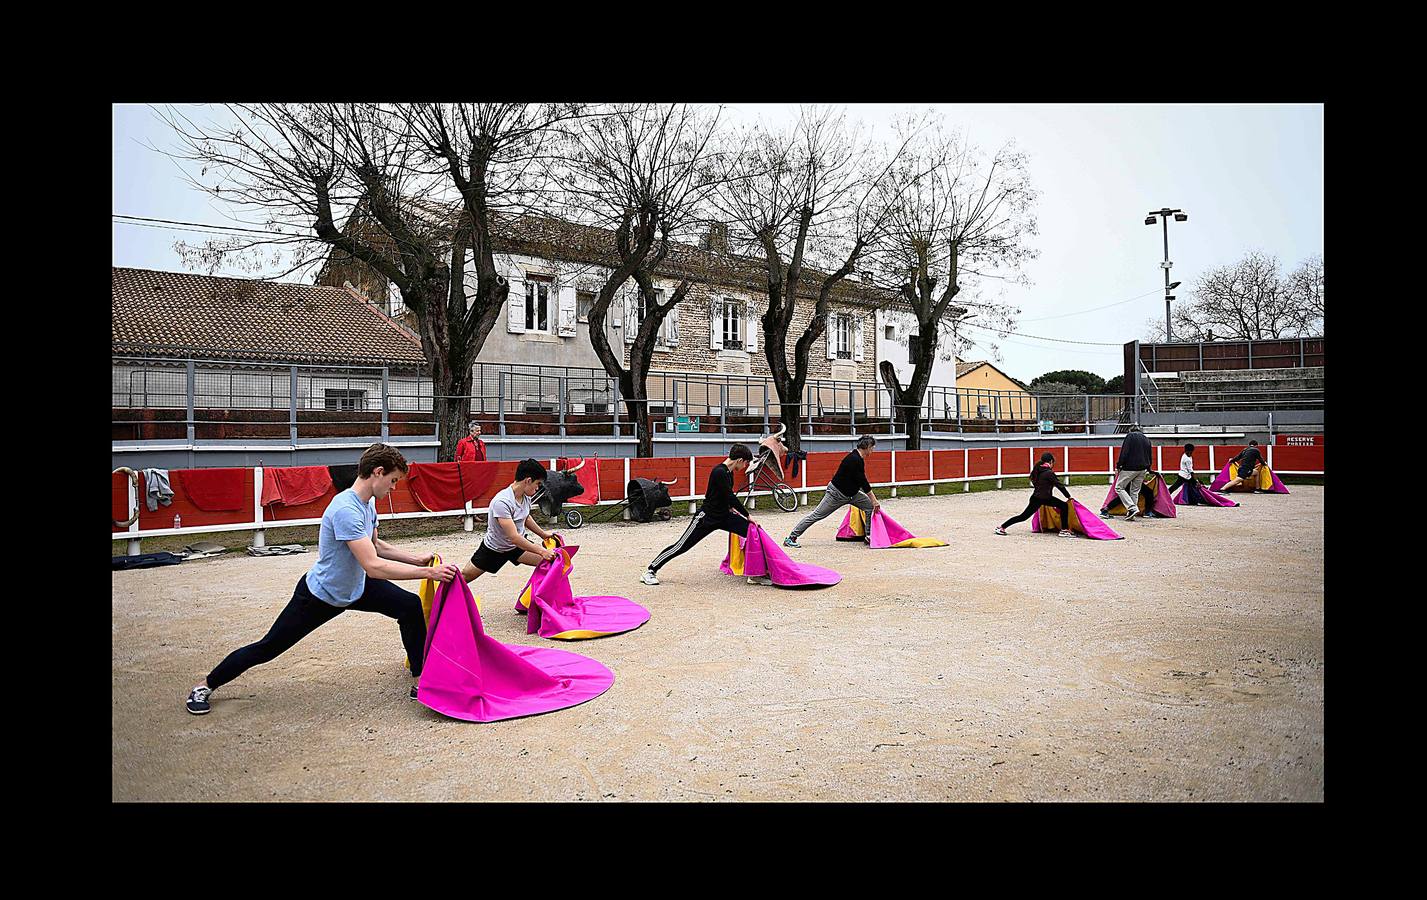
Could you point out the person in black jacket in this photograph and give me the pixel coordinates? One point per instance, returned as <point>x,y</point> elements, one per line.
<point>848,485</point>
<point>1249,460</point>
<point>1130,471</point>
<point>1045,480</point>
<point>716,514</point>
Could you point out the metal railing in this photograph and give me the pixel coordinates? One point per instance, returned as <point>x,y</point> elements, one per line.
<point>158,399</point>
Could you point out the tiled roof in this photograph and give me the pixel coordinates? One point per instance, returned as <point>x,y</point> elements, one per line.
<point>176,313</point>
<point>557,239</point>
<point>963,367</point>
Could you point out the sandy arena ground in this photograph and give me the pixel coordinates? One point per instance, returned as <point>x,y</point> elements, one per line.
<point>1168,666</point>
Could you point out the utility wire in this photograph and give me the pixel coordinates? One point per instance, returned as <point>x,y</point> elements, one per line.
<point>1094,308</point>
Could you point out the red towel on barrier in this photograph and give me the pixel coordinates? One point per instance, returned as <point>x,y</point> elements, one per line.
<point>294,485</point>
<point>439,487</point>
<point>588,477</point>
<point>214,490</point>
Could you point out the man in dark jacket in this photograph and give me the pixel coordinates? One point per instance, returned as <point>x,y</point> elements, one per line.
<point>1248,460</point>
<point>848,485</point>
<point>1130,471</point>
<point>721,511</point>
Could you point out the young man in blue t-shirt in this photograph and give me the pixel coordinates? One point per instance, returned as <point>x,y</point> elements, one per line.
<point>354,570</point>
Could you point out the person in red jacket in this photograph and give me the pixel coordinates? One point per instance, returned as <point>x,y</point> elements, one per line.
<point>471,448</point>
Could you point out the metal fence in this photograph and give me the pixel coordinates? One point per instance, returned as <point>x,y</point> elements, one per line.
<point>157,398</point>
<point>196,400</point>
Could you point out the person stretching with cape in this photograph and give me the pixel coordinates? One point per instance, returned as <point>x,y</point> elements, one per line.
<point>354,570</point>
<point>1045,480</point>
<point>849,485</point>
<point>716,514</point>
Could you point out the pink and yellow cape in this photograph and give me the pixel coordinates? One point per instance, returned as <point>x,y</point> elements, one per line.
<point>1153,487</point>
<point>472,676</point>
<point>1267,480</point>
<point>1082,521</point>
<point>556,613</point>
<point>885,532</point>
<point>759,555</point>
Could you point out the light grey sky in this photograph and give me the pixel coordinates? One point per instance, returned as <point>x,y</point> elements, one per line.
<point>1249,176</point>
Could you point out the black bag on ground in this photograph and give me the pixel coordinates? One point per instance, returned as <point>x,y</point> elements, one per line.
<point>146,560</point>
<point>645,496</point>
<point>559,487</point>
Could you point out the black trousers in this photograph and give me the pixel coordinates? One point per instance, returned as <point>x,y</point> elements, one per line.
<point>305,613</point>
<point>701,525</point>
<point>1036,503</point>
<point>1178,481</point>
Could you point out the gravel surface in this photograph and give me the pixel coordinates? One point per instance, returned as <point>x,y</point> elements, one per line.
<point>1171,665</point>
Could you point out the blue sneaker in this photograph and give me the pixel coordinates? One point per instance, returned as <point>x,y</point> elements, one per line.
<point>789,542</point>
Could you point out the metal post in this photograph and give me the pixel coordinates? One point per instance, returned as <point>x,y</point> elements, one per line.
<point>259,538</point>
<point>561,382</point>
<point>1168,328</point>
<point>999,483</point>
<point>1251,354</point>
<point>292,406</point>
<point>1087,413</point>
<point>134,545</point>
<point>1301,357</point>
<point>996,411</point>
<point>386,404</point>
<point>722,412</point>
<point>675,399</point>
<point>192,378</point>
<point>894,473</point>
<point>852,408</point>
<point>500,399</point>
<point>1200,344</point>
<point>766,429</point>
<point>956,393</point>
<point>614,394</point>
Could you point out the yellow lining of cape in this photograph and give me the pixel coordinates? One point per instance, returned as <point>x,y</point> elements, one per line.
<point>735,554</point>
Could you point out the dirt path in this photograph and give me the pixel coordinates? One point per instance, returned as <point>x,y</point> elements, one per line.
<point>1167,666</point>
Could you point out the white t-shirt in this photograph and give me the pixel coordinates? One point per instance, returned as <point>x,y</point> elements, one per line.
<point>1186,467</point>
<point>505,506</point>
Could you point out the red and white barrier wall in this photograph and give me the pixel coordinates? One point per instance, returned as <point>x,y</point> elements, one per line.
<point>889,468</point>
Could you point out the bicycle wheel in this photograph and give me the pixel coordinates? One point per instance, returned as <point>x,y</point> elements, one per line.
<point>573,518</point>
<point>785,498</point>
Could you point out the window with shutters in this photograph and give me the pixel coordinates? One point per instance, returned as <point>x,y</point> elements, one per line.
<point>395,306</point>
<point>914,346</point>
<point>842,332</point>
<point>732,325</point>
<point>537,303</point>
<point>333,398</point>
<point>584,302</point>
<point>890,332</point>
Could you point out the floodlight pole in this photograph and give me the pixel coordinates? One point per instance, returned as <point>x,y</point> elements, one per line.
<point>1164,215</point>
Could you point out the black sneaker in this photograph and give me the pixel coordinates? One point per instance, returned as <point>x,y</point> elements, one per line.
<point>412,695</point>
<point>198,700</point>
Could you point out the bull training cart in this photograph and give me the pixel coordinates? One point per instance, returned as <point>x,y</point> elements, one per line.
<point>645,498</point>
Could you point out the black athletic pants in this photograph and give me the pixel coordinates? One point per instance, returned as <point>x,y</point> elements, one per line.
<point>1036,503</point>
<point>305,613</point>
<point>701,525</point>
<point>1178,481</point>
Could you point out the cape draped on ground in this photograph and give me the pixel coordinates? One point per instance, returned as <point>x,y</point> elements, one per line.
<point>1267,480</point>
<point>472,676</point>
<point>556,613</point>
<point>1154,493</point>
<point>1082,521</point>
<point>759,555</point>
<point>1193,493</point>
<point>885,531</point>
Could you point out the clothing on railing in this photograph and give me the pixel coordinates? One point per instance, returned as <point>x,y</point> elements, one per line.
<point>157,489</point>
<point>295,485</point>
<point>216,490</point>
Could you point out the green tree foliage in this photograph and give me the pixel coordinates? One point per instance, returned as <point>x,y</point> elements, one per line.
<point>1087,382</point>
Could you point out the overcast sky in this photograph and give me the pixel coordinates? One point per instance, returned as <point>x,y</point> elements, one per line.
<point>1249,176</point>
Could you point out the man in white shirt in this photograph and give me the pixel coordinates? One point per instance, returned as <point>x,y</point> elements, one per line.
<point>504,541</point>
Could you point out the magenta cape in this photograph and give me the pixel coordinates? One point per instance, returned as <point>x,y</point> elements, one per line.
<point>759,555</point>
<point>885,532</point>
<point>1268,481</point>
<point>555,612</point>
<point>1155,485</point>
<point>1082,521</point>
<point>469,675</point>
<point>1203,495</point>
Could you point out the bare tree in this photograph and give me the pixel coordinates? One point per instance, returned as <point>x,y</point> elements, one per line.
<point>803,196</point>
<point>952,215</point>
<point>409,191</point>
<point>1250,300</point>
<point>643,170</point>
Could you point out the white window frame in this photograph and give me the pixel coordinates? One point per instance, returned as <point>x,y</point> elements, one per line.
<point>594,297</point>
<point>842,330</point>
<point>349,399</point>
<point>537,293</point>
<point>739,323</point>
